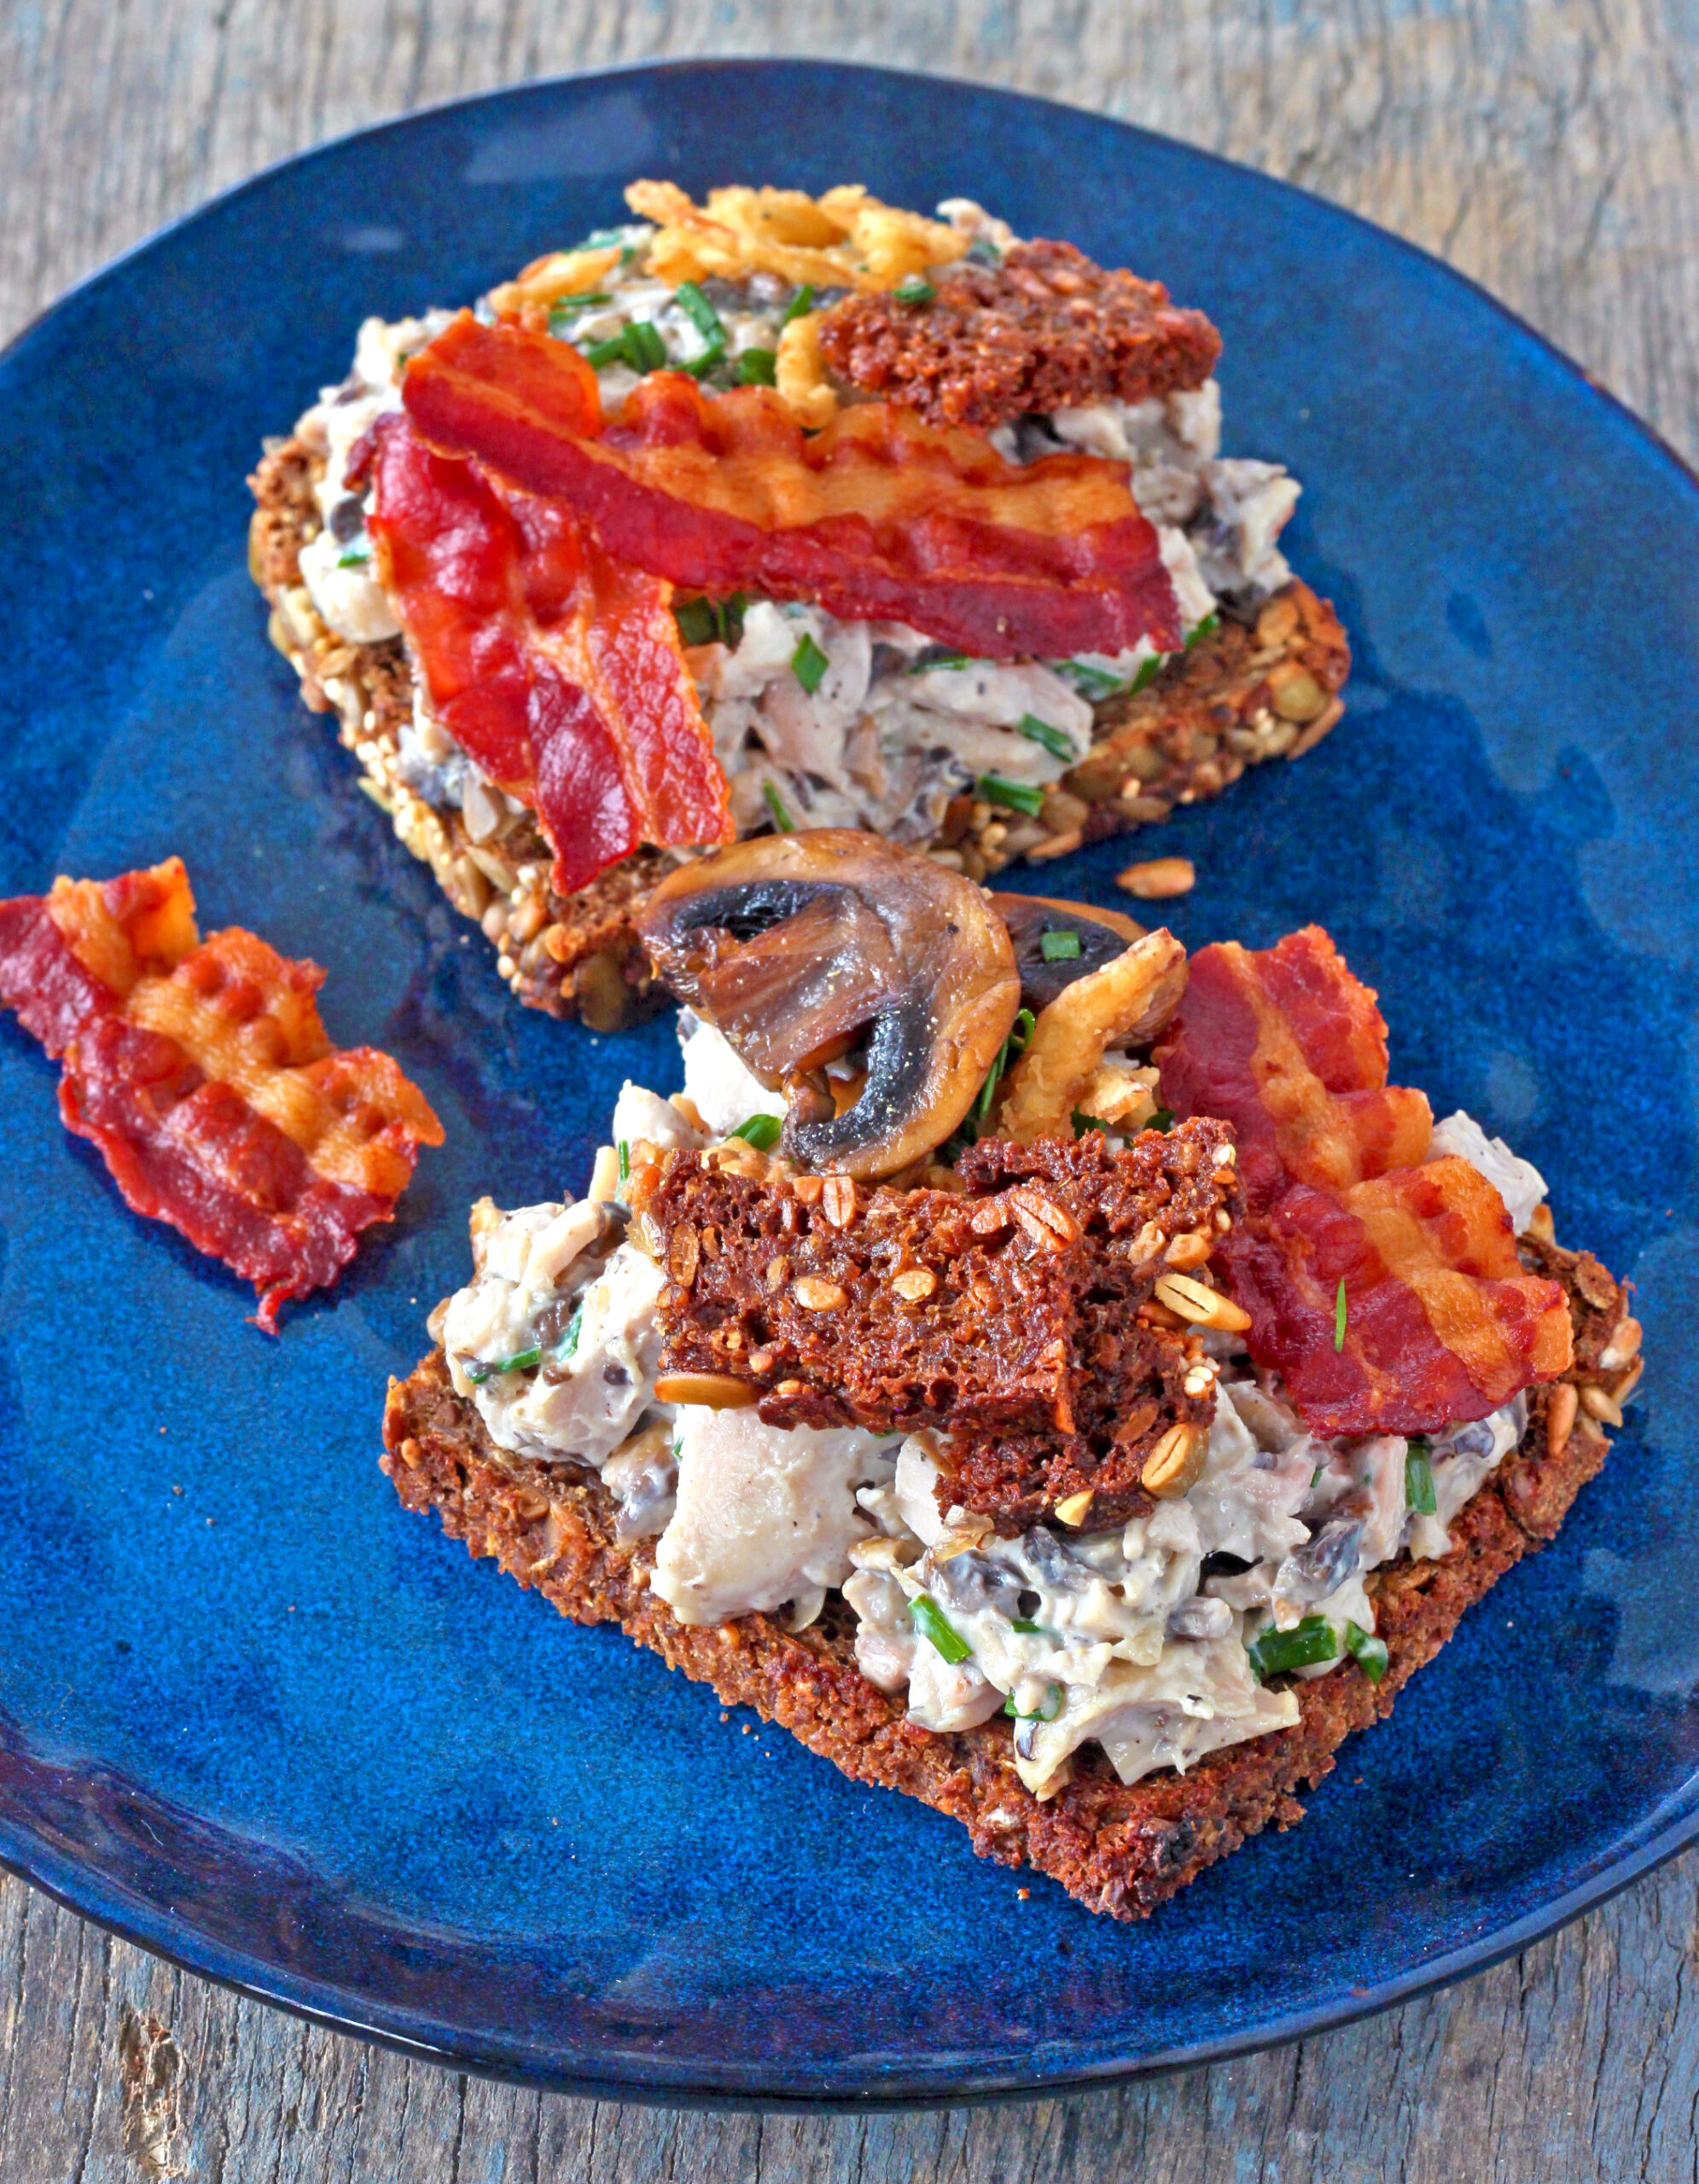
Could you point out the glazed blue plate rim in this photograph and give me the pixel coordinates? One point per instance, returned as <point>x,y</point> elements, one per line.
<point>80,1883</point>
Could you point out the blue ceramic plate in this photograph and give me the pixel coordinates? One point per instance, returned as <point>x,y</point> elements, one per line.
<point>254,1716</point>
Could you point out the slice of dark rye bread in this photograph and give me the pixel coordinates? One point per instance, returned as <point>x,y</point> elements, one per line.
<point>1244,693</point>
<point>1119,1849</point>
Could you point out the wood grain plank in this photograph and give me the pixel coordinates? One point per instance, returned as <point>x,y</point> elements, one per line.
<point>1544,147</point>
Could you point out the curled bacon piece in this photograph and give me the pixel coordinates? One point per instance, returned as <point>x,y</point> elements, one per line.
<point>877,516</point>
<point>202,1072</point>
<point>1442,1323</point>
<point>553,666</point>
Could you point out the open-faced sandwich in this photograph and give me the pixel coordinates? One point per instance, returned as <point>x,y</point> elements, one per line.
<point>782,512</point>
<point>1059,1381</point>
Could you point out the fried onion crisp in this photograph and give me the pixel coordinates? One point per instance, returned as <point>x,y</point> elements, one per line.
<point>844,240</point>
<point>1128,1002</point>
<point>203,1074</point>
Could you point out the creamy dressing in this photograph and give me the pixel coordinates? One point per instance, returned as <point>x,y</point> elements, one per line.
<point>884,739</point>
<point>1142,1641</point>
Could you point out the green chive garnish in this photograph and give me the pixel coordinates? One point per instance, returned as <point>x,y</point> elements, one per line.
<point>1418,1477</point>
<point>355,556</point>
<point>699,310</point>
<point>730,613</point>
<point>1274,1652</point>
<point>800,305</point>
<point>1092,682</point>
<point>1149,670</point>
<point>1083,1122</point>
<point>1059,947</point>
<point>710,360</point>
<point>775,802</point>
<point>1368,1651</point>
<point>981,251</point>
<point>1199,630</point>
<point>1040,731</point>
<point>1047,1712</point>
<point>521,1361</point>
<point>808,664</point>
<point>645,350</point>
<point>1339,1309</point>
<point>1019,795</point>
<point>625,1160</point>
<point>601,354</point>
<point>1160,1118</point>
<point>940,659</point>
<point>756,367</point>
<point>698,625</point>
<point>760,1130</point>
<point>916,289</point>
<point>569,307</point>
<point>930,1620</point>
<point>1012,1047</point>
<point>568,1344</point>
<point>1023,1623</point>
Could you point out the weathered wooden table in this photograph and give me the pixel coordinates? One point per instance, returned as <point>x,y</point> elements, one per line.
<point>1552,151</point>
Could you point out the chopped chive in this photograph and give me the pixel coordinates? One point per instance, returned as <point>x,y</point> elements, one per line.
<point>916,289</point>
<point>568,308</point>
<point>601,354</point>
<point>698,623</point>
<point>933,1624</point>
<point>1025,1624</point>
<point>1054,739</point>
<point>1091,682</point>
<point>775,802</point>
<point>757,367</point>
<point>1059,947</point>
<point>645,350</point>
<point>521,1361</point>
<point>1019,795</point>
<point>760,1130</point>
<point>1015,1044</point>
<point>808,664</point>
<point>1368,1652</point>
<point>711,358</point>
<point>1418,1477</point>
<point>1083,1123</point>
<point>625,1160</point>
<point>981,251</point>
<point>700,311</point>
<point>800,305</point>
<point>1315,1475</point>
<point>1047,1712</point>
<point>604,239</point>
<point>1274,1652</point>
<point>1199,630</point>
<point>940,659</point>
<point>1160,1118</point>
<point>568,1346</point>
<point>355,556</point>
<point>1339,1311</point>
<point>1149,670</point>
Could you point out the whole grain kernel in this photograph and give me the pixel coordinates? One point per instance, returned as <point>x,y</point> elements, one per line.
<point>1296,694</point>
<point>837,1201</point>
<point>1172,1467</point>
<point>1203,1306</point>
<point>809,1189</point>
<point>682,1254</point>
<point>1158,877</point>
<point>1560,1417</point>
<point>710,1391</point>
<point>990,1218</point>
<point>1074,1510</point>
<point>1599,1403</point>
<point>815,1294</point>
<point>1187,1252</point>
<point>778,1272</point>
<point>914,1284</point>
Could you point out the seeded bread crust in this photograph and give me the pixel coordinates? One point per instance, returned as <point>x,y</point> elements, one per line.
<point>1119,1849</point>
<point>1242,694</point>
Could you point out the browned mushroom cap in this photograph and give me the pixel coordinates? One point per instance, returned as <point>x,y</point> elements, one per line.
<point>794,944</point>
<point>1103,935</point>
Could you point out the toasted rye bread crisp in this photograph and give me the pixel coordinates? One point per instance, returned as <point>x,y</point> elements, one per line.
<point>1118,1849</point>
<point>1244,693</point>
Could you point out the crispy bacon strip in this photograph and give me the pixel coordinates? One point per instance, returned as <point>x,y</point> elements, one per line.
<point>556,667</point>
<point>202,1072</point>
<point>877,516</point>
<point>1442,1323</point>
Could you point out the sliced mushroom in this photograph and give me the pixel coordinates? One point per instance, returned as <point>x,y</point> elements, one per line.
<point>796,945</point>
<point>1103,935</point>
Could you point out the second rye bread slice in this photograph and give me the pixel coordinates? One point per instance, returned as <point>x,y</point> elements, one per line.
<point>1249,691</point>
<point>1015,1315</point>
<point>1119,1849</point>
